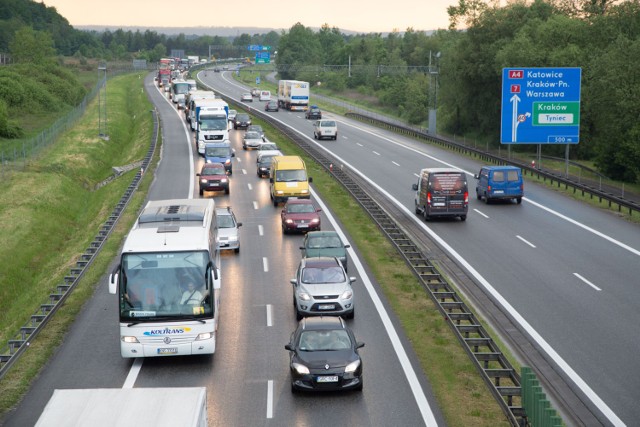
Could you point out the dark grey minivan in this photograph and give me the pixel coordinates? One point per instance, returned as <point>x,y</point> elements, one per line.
<point>441,192</point>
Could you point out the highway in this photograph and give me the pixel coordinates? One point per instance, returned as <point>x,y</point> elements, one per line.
<point>247,379</point>
<point>565,270</point>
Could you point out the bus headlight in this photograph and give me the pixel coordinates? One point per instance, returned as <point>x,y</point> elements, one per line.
<point>204,336</point>
<point>130,340</point>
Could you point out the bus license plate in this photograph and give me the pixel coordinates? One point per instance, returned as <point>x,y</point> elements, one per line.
<point>328,379</point>
<point>168,350</point>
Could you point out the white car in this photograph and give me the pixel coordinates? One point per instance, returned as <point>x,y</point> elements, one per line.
<point>246,97</point>
<point>232,115</point>
<point>325,128</point>
<point>228,233</point>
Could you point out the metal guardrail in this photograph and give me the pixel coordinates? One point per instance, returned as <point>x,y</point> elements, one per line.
<point>622,203</point>
<point>45,312</point>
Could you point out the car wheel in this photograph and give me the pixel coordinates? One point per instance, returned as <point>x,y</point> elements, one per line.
<point>360,386</point>
<point>351,314</point>
<point>237,250</point>
<point>315,136</point>
<point>463,217</point>
<point>486,198</point>
<point>226,190</point>
<point>284,229</point>
<point>299,315</point>
<point>519,200</point>
<point>294,390</point>
<point>201,191</point>
<point>275,203</point>
<point>416,209</point>
<point>335,137</point>
<point>425,215</point>
<point>478,196</point>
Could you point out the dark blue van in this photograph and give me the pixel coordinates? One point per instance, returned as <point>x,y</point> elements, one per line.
<point>500,182</point>
<point>219,152</point>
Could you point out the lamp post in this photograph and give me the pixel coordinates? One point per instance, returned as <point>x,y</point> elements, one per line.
<point>102,103</point>
<point>433,83</point>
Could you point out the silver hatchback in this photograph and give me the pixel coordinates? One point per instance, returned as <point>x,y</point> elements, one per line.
<point>322,287</point>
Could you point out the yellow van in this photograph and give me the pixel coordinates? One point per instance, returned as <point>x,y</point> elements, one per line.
<point>288,178</point>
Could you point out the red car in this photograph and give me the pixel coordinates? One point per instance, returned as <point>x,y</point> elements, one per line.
<point>300,215</point>
<point>213,177</point>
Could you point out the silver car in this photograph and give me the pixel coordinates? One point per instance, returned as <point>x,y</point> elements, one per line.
<point>322,287</point>
<point>228,233</point>
<point>252,140</point>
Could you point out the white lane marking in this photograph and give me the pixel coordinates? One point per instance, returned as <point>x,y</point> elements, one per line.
<point>269,315</point>
<point>270,399</point>
<point>255,205</point>
<point>249,186</point>
<point>261,230</point>
<point>244,171</point>
<point>397,164</point>
<point>486,216</point>
<point>587,282</point>
<point>376,153</point>
<point>133,372</point>
<point>526,241</point>
<point>361,145</point>
<point>265,264</point>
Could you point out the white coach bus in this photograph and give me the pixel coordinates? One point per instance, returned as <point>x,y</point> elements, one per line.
<point>168,280</point>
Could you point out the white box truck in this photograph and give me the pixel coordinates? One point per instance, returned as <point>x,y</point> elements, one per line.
<point>212,122</point>
<point>293,95</point>
<point>124,407</point>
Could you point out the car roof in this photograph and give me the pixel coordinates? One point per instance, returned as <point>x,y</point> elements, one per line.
<point>322,233</point>
<point>299,201</point>
<point>224,210</point>
<point>323,322</point>
<point>212,165</point>
<point>320,262</point>
<point>501,167</point>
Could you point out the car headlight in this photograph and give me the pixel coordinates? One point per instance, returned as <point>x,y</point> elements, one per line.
<point>209,161</point>
<point>315,221</point>
<point>351,367</point>
<point>224,180</point>
<point>130,340</point>
<point>304,296</point>
<point>204,181</point>
<point>288,221</point>
<point>279,192</point>
<point>304,191</point>
<point>227,162</point>
<point>347,294</point>
<point>300,369</point>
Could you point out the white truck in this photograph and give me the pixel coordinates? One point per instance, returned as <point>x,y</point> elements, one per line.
<point>190,108</point>
<point>123,407</point>
<point>193,59</point>
<point>212,122</point>
<point>293,95</point>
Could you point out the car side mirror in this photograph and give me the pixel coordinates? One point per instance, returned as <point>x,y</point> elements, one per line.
<point>238,224</point>
<point>288,347</point>
<point>476,176</point>
<point>347,246</point>
<point>294,282</point>
<point>198,174</point>
<point>352,279</point>
<point>302,247</point>
<point>359,344</point>
<point>415,187</point>
<point>310,179</point>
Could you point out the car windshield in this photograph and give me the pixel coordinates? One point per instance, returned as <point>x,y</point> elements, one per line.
<point>255,128</point>
<point>324,242</point>
<point>328,124</point>
<point>226,221</point>
<point>294,175</point>
<point>242,117</point>
<point>266,160</point>
<point>216,152</point>
<point>268,147</point>
<point>322,275</point>
<point>252,135</point>
<point>213,171</point>
<point>331,340</point>
<point>300,208</point>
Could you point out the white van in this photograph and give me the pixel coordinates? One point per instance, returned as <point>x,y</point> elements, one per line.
<point>265,95</point>
<point>325,129</point>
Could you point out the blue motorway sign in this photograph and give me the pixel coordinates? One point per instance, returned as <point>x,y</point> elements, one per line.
<point>263,58</point>
<point>540,106</point>
<point>258,47</point>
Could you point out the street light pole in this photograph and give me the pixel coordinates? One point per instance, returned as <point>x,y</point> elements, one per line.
<point>433,83</point>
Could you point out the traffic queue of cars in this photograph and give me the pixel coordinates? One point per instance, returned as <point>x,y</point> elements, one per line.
<point>324,353</point>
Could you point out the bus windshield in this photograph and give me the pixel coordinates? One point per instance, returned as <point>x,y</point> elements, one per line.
<point>181,88</point>
<point>165,286</point>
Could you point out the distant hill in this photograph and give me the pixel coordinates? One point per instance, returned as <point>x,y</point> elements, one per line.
<point>200,31</point>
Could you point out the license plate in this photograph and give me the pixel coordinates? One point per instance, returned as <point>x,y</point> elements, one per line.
<point>168,350</point>
<point>438,204</point>
<point>499,192</point>
<point>303,225</point>
<point>328,379</point>
<point>326,307</point>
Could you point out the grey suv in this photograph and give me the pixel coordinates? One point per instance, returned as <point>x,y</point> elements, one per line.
<point>322,287</point>
<point>228,233</point>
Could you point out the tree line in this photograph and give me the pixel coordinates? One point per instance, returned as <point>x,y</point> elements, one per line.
<point>459,72</point>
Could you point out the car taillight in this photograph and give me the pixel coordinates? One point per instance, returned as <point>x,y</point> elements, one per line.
<point>429,198</point>
<point>466,197</point>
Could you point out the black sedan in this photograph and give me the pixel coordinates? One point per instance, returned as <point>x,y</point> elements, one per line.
<point>324,356</point>
<point>313,113</point>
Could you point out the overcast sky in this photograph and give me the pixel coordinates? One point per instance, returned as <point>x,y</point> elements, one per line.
<point>356,15</point>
